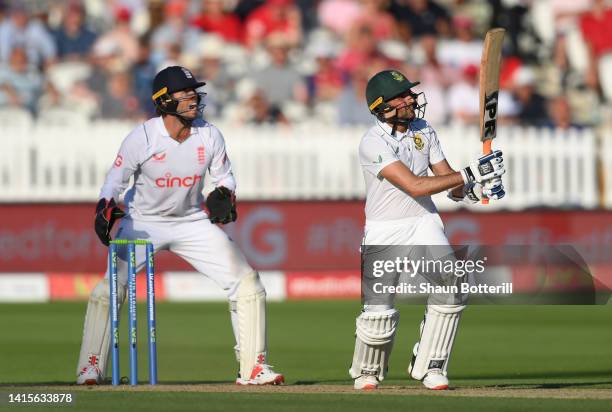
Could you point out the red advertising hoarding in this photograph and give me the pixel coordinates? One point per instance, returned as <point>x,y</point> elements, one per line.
<point>289,236</point>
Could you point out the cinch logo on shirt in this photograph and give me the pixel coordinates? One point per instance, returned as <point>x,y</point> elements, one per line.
<point>169,181</point>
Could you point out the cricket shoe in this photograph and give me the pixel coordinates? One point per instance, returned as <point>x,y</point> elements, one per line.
<point>435,380</point>
<point>90,375</point>
<point>366,383</point>
<point>261,374</point>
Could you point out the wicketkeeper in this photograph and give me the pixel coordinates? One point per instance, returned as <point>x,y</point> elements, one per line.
<point>168,156</point>
<point>395,155</point>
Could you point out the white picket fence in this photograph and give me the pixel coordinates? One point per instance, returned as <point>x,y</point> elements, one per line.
<point>51,163</point>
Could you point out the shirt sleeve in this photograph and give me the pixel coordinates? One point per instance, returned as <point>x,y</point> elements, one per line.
<point>126,163</point>
<point>436,154</point>
<point>375,154</point>
<point>220,168</point>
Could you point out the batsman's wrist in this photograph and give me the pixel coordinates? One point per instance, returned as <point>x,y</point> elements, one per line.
<point>468,176</point>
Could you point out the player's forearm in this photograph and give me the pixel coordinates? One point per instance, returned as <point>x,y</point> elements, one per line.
<point>225,179</point>
<point>430,185</point>
<point>417,186</point>
<point>115,183</point>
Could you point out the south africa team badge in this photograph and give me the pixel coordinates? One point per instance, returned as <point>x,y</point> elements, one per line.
<point>418,141</point>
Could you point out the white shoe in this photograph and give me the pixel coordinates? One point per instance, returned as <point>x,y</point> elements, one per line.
<point>261,374</point>
<point>366,383</point>
<point>435,380</point>
<point>90,375</point>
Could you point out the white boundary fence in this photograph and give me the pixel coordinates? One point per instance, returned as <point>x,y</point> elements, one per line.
<point>546,167</point>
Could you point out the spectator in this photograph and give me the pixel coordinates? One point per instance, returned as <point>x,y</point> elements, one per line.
<point>433,71</point>
<point>245,7</point>
<point>120,38</point>
<point>361,50</point>
<point>19,30</point>
<point>20,81</point>
<point>73,39</point>
<point>463,97</point>
<point>78,99</point>
<point>596,26</point>
<point>521,40</point>
<point>531,105</point>
<point>329,10</point>
<point>351,104</point>
<point>275,16</point>
<point>279,81</point>
<point>375,15</point>
<point>211,68</point>
<point>262,112</point>
<point>118,100</point>
<point>464,49</point>
<point>419,17</point>
<point>215,19</point>
<point>105,59</point>
<point>144,72</point>
<point>565,14</point>
<point>253,107</point>
<point>308,10</point>
<point>171,34</point>
<point>327,82</point>
<point>560,114</point>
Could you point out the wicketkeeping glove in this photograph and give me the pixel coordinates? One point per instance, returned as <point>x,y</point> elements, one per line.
<point>485,168</point>
<point>106,215</point>
<point>221,205</point>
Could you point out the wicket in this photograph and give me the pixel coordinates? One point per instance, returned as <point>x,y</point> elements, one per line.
<point>131,298</point>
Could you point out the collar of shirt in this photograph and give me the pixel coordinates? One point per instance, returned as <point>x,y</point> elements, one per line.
<point>387,129</point>
<point>164,132</point>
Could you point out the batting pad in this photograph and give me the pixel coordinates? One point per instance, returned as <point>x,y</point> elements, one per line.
<point>373,343</point>
<point>438,332</point>
<point>95,346</point>
<point>251,309</point>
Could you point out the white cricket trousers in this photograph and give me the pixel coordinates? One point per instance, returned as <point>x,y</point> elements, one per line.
<point>426,230</point>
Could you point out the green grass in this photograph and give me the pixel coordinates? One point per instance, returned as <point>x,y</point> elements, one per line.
<point>312,342</point>
<point>147,402</point>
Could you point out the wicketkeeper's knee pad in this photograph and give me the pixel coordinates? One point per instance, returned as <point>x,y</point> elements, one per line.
<point>374,336</point>
<point>437,335</point>
<point>95,345</point>
<point>251,311</point>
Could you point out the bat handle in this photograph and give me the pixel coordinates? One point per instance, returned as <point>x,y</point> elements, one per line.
<point>486,149</point>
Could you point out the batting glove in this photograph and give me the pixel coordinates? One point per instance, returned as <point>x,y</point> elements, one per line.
<point>485,168</point>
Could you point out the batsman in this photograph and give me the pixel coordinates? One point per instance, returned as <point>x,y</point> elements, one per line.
<point>395,155</point>
<point>167,157</point>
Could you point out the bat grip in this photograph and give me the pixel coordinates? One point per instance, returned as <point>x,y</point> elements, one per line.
<point>486,149</point>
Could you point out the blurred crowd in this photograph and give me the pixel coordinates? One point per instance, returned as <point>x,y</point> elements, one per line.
<point>292,61</point>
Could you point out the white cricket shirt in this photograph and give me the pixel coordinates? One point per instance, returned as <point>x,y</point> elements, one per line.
<point>168,175</point>
<point>417,149</point>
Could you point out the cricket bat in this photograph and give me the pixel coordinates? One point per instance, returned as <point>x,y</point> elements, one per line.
<point>489,88</point>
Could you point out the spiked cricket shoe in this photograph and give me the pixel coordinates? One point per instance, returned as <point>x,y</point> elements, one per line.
<point>261,374</point>
<point>435,380</point>
<point>366,383</point>
<point>90,375</point>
